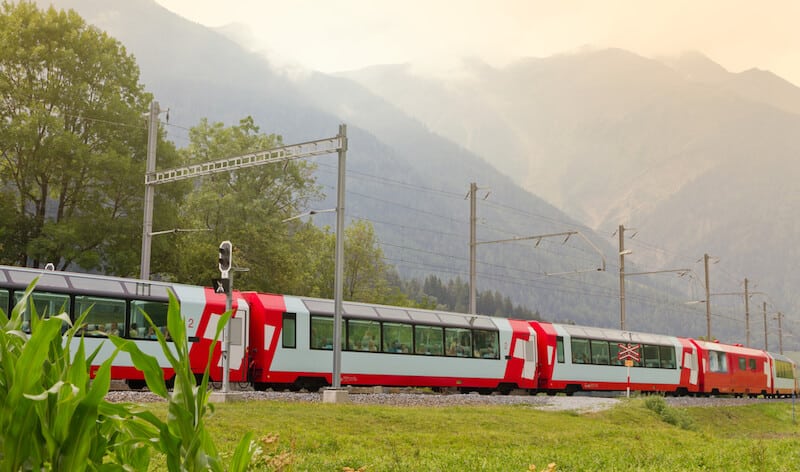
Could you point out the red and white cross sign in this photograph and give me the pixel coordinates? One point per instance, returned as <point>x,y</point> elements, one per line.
<point>628,351</point>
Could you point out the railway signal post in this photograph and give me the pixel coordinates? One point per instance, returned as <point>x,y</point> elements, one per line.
<point>630,354</point>
<point>225,261</point>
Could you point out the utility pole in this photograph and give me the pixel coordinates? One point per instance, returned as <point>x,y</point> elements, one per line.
<point>708,300</point>
<point>621,232</point>
<point>780,333</point>
<point>337,394</point>
<point>473,190</point>
<point>149,190</point>
<point>473,244</point>
<point>766,345</point>
<point>746,314</point>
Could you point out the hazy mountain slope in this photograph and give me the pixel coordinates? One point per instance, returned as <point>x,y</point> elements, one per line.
<point>696,158</point>
<point>753,84</point>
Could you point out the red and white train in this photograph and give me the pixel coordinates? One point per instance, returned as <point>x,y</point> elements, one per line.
<point>285,342</point>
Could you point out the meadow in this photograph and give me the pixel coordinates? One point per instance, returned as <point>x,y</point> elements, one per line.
<point>638,434</point>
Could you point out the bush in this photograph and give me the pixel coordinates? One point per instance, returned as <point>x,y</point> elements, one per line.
<point>667,414</point>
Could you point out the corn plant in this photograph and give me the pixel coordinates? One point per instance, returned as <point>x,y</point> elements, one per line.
<point>183,438</point>
<point>54,416</point>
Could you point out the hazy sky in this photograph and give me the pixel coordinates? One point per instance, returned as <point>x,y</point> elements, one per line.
<point>335,35</point>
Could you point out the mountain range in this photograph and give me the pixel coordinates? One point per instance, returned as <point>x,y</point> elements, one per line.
<point>694,159</point>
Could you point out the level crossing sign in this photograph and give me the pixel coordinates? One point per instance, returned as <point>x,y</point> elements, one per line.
<point>629,352</point>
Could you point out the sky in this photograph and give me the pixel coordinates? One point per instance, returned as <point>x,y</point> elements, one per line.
<point>337,35</point>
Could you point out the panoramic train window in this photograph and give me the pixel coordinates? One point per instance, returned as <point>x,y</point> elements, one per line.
<point>651,356</point>
<point>157,311</point>
<point>458,342</point>
<point>599,352</point>
<point>289,331</point>
<point>105,315</point>
<point>428,340</point>
<point>667,354</point>
<point>784,370</point>
<point>397,337</point>
<point>4,303</point>
<point>486,344</point>
<point>363,335</point>
<point>322,332</point>
<point>580,351</point>
<point>560,349</point>
<point>613,353</point>
<point>47,304</point>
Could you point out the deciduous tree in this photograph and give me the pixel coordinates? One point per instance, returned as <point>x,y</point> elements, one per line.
<point>72,142</point>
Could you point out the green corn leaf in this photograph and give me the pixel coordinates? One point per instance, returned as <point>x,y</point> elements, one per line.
<point>243,454</point>
<point>153,374</point>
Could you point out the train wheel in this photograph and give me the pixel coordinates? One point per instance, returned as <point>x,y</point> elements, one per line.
<point>260,386</point>
<point>312,384</point>
<point>136,384</point>
<point>505,389</point>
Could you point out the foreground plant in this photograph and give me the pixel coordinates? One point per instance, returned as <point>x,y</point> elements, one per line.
<point>183,438</point>
<point>54,416</point>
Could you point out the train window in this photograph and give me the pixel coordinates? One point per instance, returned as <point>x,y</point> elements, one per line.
<point>599,352</point>
<point>613,353</point>
<point>322,333</point>
<point>397,337</point>
<point>363,335</point>
<point>667,354</point>
<point>4,303</point>
<point>580,351</point>
<point>289,331</point>
<point>753,365</point>
<point>717,361</point>
<point>560,349</point>
<point>157,311</point>
<point>46,304</point>
<point>742,363</point>
<point>104,316</point>
<point>428,340</point>
<point>784,370</point>
<point>651,356</point>
<point>486,344</point>
<point>458,342</point>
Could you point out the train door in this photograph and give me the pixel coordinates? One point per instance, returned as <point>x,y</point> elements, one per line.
<point>690,362</point>
<point>526,350</point>
<point>239,325</point>
<point>521,365</point>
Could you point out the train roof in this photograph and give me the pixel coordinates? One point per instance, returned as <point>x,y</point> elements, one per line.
<point>615,334</point>
<point>733,348</point>
<point>399,314</point>
<point>89,284</point>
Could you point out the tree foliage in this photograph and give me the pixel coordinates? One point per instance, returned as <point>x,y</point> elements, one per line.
<point>72,142</point>
<point>248,207</point>
<point>454,296</point>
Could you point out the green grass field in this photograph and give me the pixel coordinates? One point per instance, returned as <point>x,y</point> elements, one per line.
<point>635,435</point>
